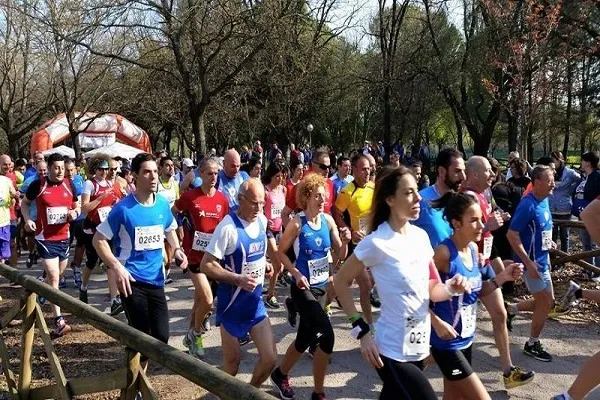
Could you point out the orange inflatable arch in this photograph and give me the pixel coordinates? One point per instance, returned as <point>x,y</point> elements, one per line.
<point>101,126</point>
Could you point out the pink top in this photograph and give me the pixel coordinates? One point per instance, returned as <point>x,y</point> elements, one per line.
<point>273,206</point>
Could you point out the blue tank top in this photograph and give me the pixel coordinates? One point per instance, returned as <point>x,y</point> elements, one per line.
<point>236,304</point>
<point>313,251</point>
<point>459,311</point>
<point>230,186</point>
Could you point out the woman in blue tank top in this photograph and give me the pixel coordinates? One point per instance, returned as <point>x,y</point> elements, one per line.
<point>313,235</point>
<point>454,320</point>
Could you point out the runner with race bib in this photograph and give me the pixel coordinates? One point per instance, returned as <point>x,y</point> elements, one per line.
<point>454,320</point>
<point>313,234</point>
<point>275,190</point>
<point>400,258</point>
<point>202,209</point>
<point>137,226</point>
<point>97,199</point>
<point>240,243</point>
<point>56,205</point>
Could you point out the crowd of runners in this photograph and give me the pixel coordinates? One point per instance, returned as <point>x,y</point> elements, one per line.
<point>425,256</point>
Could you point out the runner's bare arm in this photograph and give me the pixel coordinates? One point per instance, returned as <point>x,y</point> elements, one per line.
<point>287,240</point>
<point>285,215</point>
<point>87,206</point>
<point>342,280</point>
<point>339,244</point>
<point>515,242</point>
<point>211,267</point>
<point>591,218</point>
<point>173,241</point>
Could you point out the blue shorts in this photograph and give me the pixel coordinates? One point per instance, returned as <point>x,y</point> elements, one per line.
<point>50,249</point>
<point>179,220</point>
<point>544,282</point>
<point>5,238</point>
<point>13,229</point>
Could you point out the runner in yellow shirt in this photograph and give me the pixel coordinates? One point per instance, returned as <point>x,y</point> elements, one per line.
<point>357,198</point>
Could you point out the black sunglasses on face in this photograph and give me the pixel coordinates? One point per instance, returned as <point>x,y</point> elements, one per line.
<point>324,167</point>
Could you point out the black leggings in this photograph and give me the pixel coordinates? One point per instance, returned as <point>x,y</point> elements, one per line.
<point>146,310</point>
<point>313,319</point>
<point>404,381</point>
<point>91,256</point>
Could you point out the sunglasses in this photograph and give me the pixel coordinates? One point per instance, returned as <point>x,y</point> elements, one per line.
<point>324,167</point>
<point>107,169</point>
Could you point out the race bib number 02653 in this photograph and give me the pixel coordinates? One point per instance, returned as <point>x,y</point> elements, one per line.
<point>149,237</point>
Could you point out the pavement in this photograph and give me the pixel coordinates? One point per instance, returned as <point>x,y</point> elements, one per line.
<point>349,377</point>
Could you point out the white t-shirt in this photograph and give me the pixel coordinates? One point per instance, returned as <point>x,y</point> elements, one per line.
<point>400,267</point>
<point>88,186</point>
<point>225,237</point>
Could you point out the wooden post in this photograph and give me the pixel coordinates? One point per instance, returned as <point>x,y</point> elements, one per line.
<point>133,367</point>
<point>61,381</point>
<point>8,373</point>
<point>27,346</point>
<point>583,264</point>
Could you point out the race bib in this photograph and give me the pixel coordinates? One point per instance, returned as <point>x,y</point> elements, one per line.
<point>487,247</point>
<point>363,225</point>
<point>149,237</point>
<point>201,241</point>
<point>416,336</point>
<point>103,212</point>
<point>57,215</point>
<point>276,210</point>
<point>468,317</point>
<point>319,270</point>
<point>546,240</point>
<point>255,269</point>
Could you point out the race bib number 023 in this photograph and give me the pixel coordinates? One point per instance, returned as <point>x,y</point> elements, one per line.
<point>416,336</point>
<point>149,237</point>
<point>201,241</point>
<point>56,215</point>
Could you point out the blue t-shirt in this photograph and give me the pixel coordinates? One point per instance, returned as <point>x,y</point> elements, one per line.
<point>137,232</point>
<point>30,172</point>
<point>32,207</point>
<point>338,185</point>
<point>230,187</point>
<point>313,251</point>
<point>459,311</point>
<point>432,220</point>
<point>533,222</point>
<point>78,183</point>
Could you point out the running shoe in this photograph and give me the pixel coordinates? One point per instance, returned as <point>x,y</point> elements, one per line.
<point>196,348</point>
<point>61,328</point>
<point>206,322</point>
<point>318,396</point>
<point>62,283</point>
<point>83,295</point>
<point>557,311</point>
<point>116,308</point>
<point>569,297</point>
<point>77,277</point>
<point>328,310</point>
<point>282,383</point>
<point>375,302</point>
<point>186,339</point>
<point>30,261</point>
<point>509,317</point>
<point>245,340</point>
<point>517,377</point>
<point>167,298</point>
<point>564,396</point>
<point>291,311</point>
<point>272,302</point>
<point>537,351</point>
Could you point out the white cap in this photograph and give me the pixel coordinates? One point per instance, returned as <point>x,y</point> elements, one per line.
<point>187,162</point>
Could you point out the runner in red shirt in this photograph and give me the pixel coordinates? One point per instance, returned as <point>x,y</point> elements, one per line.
<point>56,203</point>
<point>203,208</point>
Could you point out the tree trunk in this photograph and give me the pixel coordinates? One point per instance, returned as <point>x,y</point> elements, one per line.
<point>459,131</point>
<point>197,112</point>
<point>387,113</point>
<point>569,106</point>
<point>513,128</point>
<point>583,103</point>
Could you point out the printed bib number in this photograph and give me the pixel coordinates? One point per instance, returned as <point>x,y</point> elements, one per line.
<point>416,336</point>
<point>149,237</point>
<point>546,240</point>
<point>57,215</point>
<point>201,241</point>
<point>468,317</point>
<point>276,210</point>
<point>103,213</point>
<point>255,269</point>
<point>363,225</point>
<point>319,270</point>
<point>487,247</point>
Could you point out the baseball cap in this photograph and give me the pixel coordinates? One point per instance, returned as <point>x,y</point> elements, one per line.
<point>187,162</point>
<point>103,165</point>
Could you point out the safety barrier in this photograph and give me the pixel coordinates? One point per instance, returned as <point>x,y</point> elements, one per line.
<point>130,379</point>
<point>576,258</point>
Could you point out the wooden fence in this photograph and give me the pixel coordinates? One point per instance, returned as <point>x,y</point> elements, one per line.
<point>130,378</point>
<point>576,258</point>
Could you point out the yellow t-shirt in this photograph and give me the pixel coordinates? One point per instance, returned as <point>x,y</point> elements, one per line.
<point>358,202</point>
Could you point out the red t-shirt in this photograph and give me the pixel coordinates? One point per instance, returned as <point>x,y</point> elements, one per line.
<point>99,214</point>
<point>53,200</point>
<point>290,199</point>
<point>205,213</point>
<point>487,239</point>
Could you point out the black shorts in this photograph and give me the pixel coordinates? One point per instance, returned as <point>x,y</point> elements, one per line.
<point>76,233</point>
<point>272,235</point>
<point>454,364</point>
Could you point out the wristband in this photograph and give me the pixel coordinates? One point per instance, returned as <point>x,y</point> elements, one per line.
<point>493,280</point>
<point>448,290</point>
<point>359,328</point>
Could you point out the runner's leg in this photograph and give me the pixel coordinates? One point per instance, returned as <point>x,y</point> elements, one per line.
<point>587,379</point>
<point>262,335</point>
<point>494,303</point>
<point>231,352</point>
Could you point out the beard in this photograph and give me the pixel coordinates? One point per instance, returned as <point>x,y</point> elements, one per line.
<point>452,185</point>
